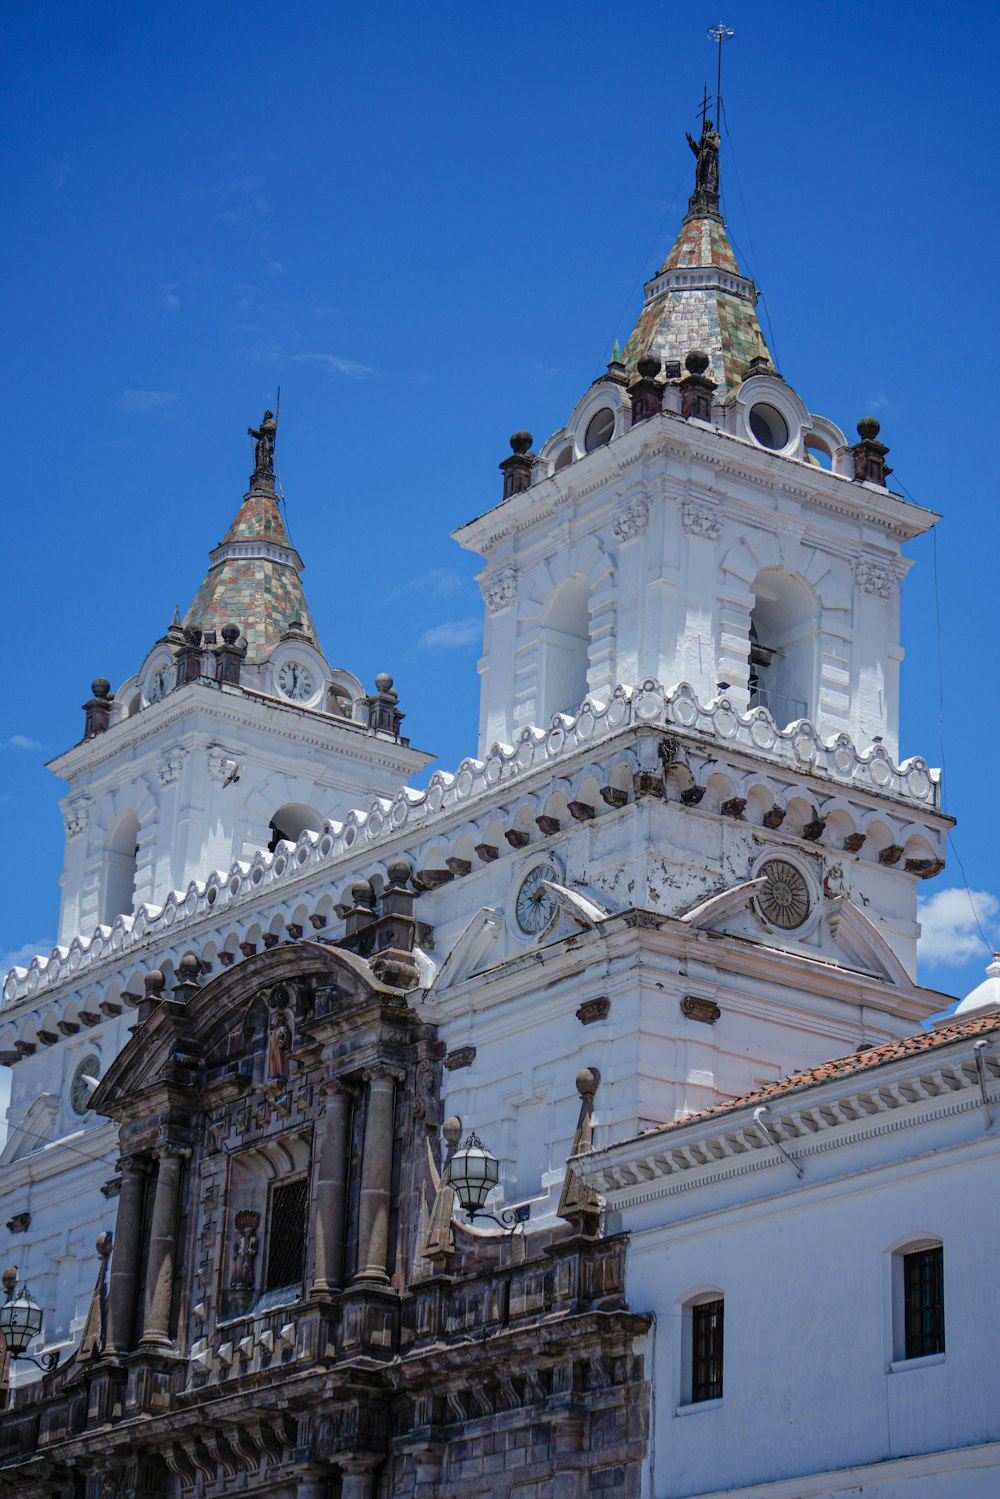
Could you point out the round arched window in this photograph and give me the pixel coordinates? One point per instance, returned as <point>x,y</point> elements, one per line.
<point>599,429</point>
<point>768,426</point>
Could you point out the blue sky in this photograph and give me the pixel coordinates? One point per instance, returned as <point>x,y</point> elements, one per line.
<point>429,223</point>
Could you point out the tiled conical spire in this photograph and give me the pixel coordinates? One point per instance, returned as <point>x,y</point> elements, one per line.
<point>699,298</point>
<point>253,579</point>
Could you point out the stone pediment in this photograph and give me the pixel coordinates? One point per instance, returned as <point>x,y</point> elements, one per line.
<point>840,932</point>
<point>244,1021</point>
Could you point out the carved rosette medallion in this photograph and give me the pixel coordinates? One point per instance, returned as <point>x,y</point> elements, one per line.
<point>784,897</point>
<point>500,590</point>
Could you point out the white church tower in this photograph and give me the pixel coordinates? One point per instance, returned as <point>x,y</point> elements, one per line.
<point>235,731</point>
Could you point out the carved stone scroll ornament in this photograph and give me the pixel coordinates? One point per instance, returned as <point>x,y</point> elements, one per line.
<point>500,590</point>
<point>170,767</point>
<point>631,521</point>
<point>245,1252</point>
<point>76,815</point>
<point>701,520</point>
<point>874,578</point>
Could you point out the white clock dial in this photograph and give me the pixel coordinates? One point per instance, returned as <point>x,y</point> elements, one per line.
<point>159,684</point>
<point>535,907</point>
<point>296,682</point>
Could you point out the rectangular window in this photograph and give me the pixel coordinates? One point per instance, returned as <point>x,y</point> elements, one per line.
<point>923,1302</point>
<point>706,1350</point>
<point>286,1235</point>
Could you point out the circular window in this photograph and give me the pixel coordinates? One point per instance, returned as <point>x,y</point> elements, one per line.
<point>82,1086</point>
<point>768,426</point>
<point>784,898</point>
<point>599,429</point>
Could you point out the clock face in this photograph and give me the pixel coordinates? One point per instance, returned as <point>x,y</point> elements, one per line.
<point>535,907</point>
<point>296,682</point>
<point>79,1089</point>
<point>784,899</point>
<point>159,683</point>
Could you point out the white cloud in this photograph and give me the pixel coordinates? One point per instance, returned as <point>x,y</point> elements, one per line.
<point>21,742</point>
<point>146,402</point>
<point>451,635</point>
<point>337,365</point>
<point>20,957</point>
<point>949,935</point>
<point>438,580</point>
<point>275,268</point>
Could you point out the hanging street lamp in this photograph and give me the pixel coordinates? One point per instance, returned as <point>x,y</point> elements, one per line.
<point>472,1173</point>
<point>21,1321</point>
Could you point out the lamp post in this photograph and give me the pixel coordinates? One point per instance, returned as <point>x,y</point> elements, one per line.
<point>473,1172</point>
<point>20,1321</point>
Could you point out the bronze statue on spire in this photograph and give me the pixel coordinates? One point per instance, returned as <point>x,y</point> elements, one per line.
<point>706,173</point>
<point>264,450</point>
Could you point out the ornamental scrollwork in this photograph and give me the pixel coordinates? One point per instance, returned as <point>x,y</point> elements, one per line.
<point>875,578</point>
<point>701,520</point>
<point>631,521</point>
<point>76,815</point>
<point>500,590</point>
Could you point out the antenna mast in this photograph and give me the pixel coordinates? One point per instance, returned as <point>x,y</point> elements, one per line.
<point>719,34</point>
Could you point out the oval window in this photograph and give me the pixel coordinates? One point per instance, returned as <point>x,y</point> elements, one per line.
<point>768,426</point>
<point>600,429</point>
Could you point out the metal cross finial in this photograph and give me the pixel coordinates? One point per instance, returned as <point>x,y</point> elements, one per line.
<point>719,33</point>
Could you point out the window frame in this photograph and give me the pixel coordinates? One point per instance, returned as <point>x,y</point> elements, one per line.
<point>904,1351</point>
<point>700,1389</point>
<point>300,1181</point>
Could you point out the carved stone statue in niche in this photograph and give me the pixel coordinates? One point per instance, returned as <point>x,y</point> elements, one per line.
<point>247,1223</point>
<point>279,1044</point>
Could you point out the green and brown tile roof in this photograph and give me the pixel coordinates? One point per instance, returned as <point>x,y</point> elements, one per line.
<point>260,594</point>
<point>721,322</point>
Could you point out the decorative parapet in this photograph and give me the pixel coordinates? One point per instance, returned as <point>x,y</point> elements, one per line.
<point>718,725</point>
<point>631,521</point>
<point>500,590</point>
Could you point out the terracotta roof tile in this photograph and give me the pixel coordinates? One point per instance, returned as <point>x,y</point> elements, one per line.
<point>854,1065</point>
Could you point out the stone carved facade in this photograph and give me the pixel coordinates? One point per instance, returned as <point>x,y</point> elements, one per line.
<point>329,1355</point>
<point>500,590</point>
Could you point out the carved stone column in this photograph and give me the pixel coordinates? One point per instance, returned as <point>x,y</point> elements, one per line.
<point>162,1247</point>
<point>125,1255</point>
<point>376,1174</point>
<point>331,1189</point>
<point>358,1481</point>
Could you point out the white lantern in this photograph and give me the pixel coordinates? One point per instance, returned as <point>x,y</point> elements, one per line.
<point>473,1172</point>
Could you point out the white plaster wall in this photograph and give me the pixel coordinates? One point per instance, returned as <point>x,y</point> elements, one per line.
<point>806,1272</point>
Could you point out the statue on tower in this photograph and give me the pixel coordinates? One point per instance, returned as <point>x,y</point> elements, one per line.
<point>706,175</point>
<point>264,450</point>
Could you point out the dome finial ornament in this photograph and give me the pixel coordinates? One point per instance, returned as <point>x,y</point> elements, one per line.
<point>264,437</point>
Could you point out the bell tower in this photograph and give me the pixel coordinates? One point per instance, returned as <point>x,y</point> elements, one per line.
<point>236,732</point>
<point>695,522</point>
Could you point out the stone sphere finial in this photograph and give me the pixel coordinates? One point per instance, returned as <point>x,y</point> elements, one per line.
<point>588,1080</point>
<point>868,428</point>
<point>520,442</point>
<point>452,1130</point>
<point>101,687</point>
<point>192,635</point>
<point>696,363</point>
<point>399,871</point>
<point>189,969</point>
<point>105,1244</point>
<point>9,1279</point>
<point>230,634</point>
<point>363,893</point>
<point>154,983</point>
<point>383,682</point>
<point>649,366</point>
